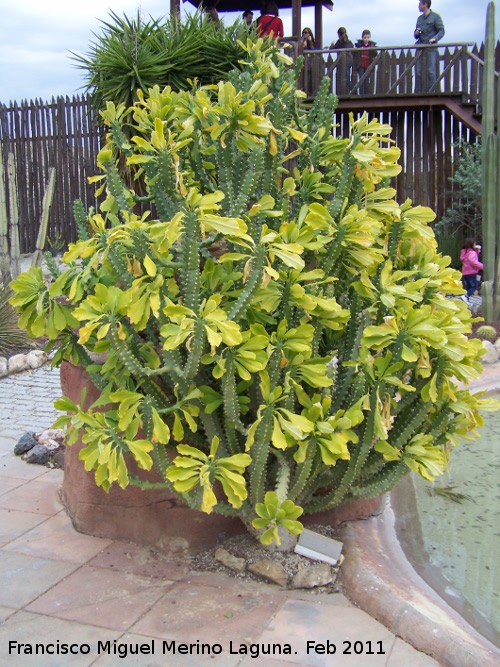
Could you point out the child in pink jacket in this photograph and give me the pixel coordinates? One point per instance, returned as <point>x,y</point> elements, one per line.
<point>470,266</point>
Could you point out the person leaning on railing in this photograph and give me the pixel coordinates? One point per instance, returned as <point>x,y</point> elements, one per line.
<point>346,59</point>
<point>429,30</point>
<point>363,60</point>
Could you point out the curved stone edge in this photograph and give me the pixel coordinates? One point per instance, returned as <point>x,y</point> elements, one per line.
<point>378,578</point>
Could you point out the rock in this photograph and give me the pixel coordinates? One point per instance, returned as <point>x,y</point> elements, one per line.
<point>36,358</point>
<point>269,569</point>
<point>52,438</point>
<point>319,574</point>
<point>39,454</point>
<point>25,443</point>
<point>491,356</point>
<point>496,344</point>
<point>233,562</point>
<point>58,458</point>
<point>4,367</point>
<point>18,363</point>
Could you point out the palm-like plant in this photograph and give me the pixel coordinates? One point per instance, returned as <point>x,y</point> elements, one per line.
<point>10,334</point>
<point>133,54</point>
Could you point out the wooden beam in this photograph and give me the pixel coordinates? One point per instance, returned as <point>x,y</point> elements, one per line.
<point>175,8</point>
<point>318,24</point>
<point>465,113</point>
<point>296,18</point>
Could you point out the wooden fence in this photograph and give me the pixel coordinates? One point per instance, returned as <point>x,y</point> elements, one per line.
<point>62,134</point>
<point>427,139</point>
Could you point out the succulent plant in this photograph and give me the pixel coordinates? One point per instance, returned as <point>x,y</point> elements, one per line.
<point>486,332</point>
<point>312,359</point>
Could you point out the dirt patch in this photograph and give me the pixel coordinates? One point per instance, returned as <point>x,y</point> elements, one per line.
<point>248,548</point>
<point>27,346</point>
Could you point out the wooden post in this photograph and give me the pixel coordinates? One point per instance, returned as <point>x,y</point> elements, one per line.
<point>175,8</point>
<point>296,18</point>
<point>318,24</point>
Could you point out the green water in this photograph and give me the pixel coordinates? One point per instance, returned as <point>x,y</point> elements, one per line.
<point>461,541</point>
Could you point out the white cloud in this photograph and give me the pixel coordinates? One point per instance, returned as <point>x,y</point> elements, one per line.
<point>37,37</point>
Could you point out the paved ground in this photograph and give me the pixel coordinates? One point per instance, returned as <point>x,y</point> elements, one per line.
<point>97,598</point>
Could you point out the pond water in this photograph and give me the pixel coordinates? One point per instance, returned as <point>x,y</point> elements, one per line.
<point>455,546</point>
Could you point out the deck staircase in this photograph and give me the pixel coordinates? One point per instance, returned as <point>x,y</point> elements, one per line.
<point>392,75</point>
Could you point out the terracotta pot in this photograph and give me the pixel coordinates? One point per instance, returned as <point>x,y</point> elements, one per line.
<point>152,517</point>
<point>155,517</point>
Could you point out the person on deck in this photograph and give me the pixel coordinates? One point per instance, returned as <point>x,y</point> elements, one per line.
<point>345,60</point>
<point>429,30</point>
<point>248,18</point>
<point>363,60</point>
<point>269,23</point>
<point>307,43</point>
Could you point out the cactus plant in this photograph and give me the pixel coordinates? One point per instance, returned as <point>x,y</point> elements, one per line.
<point>486,332</point>
<point>490,176</point>
<point>312,360</point>
<point>9,227</point>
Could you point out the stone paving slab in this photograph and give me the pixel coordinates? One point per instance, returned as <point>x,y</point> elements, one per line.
<point>169,659</point>
<point>24,578</point>
<point>90,595</point>
<point>38,497</point>
<point>55,538</point>
<point>13,524</point>
<point>190,612</point>
<point>56,584</point>
<point>24,627</point>
<point>321,639</point>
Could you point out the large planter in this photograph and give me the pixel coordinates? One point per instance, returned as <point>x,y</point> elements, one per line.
<point>152,517</point>
<point>155,517</point>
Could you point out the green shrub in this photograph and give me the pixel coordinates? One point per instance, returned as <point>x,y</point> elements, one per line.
<point>10,334</point>
<point>463,218</point>
<point>132,54</point>
<point>280,326</point>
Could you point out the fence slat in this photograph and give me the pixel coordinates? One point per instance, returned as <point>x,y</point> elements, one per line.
<point>65,134</point>
<point>62,134</point>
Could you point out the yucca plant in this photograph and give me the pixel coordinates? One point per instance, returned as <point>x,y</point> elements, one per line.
<point>11,336</point>
<point>132,54</point>
<point>312,360</point>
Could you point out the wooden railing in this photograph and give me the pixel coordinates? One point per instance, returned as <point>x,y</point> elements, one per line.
<point>64,133</point>
<point>395,71</point>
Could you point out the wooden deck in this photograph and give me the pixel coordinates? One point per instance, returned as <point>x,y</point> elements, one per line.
<point>392,79</point>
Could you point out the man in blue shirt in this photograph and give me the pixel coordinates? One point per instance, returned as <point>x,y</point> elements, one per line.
<point>429,30</point>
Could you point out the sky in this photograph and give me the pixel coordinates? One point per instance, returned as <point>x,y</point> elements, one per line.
<point>37,38</point>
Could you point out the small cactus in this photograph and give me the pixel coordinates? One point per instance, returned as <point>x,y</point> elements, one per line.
<point>486,332</point>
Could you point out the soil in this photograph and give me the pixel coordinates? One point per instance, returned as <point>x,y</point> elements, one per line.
<point>247,547</point>
<point>30,344</point>
<point>476,325</point>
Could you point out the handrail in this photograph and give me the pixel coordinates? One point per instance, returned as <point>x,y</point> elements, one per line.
<point>444,68</point>
<point>400,46</point>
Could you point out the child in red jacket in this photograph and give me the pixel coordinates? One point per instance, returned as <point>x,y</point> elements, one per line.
<point>471,266</point>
